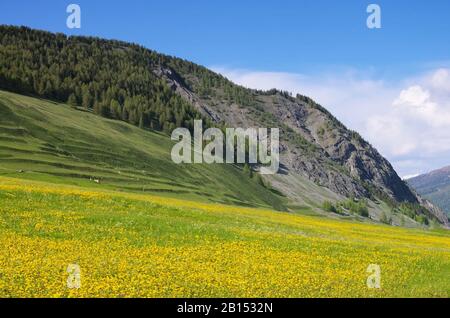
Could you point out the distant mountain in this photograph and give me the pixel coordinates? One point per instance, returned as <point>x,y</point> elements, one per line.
<point>320,158</point>
<point>435,186</point>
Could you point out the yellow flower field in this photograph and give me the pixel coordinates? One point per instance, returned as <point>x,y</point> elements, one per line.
<point>132,245</point>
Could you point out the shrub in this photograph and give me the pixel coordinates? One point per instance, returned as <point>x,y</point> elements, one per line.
<point>356,207</point>
<point>385,219</point>
<point>329,207</point>
<point>362,209</point>
<point>422,219</point>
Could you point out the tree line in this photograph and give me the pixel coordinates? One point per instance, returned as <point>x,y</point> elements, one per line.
<point>112,78</point>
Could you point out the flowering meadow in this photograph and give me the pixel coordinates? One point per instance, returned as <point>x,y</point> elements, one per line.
<point>136,245</point>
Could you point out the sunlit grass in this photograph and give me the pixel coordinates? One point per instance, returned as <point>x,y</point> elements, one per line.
<point>132,245</point>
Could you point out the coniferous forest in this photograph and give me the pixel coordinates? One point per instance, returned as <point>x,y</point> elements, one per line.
<point>112,78</point>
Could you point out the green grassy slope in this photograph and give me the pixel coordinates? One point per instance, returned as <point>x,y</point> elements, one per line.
<point>48,141</point>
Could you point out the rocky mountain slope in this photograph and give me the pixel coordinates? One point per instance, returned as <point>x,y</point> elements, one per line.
<point>320,158</point>
<point>435,186</point>
<point>315,146</point>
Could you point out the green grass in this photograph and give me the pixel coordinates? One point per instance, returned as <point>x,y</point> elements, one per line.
<point>47,141</point>
<point>148,229</point>
<point>136,245</point>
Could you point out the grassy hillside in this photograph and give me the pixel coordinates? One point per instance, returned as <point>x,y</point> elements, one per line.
<point>148,246</point>
<point>48,141</point>
<point>147,229</point>
<point>135,85</point>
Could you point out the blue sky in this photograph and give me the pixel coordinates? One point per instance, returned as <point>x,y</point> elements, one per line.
<point>321,48</point>
<point>290,36</point>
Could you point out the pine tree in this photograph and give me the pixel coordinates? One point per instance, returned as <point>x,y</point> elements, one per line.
<point>115,109</point>
<point>86,99</point>
<point>97,108</point>
<point>94,73</point>
<point>124,114</point>
<point>72,100</point>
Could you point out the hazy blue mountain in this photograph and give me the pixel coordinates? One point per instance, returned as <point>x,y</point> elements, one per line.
<point>435,186</point>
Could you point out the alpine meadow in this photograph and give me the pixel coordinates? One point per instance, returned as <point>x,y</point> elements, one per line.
<point>88,186</point>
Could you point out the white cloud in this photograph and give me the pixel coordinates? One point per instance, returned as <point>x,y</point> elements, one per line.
<point>440,80</point>
<point>406,120</point>
<point>414,95</point>
<point>392,134</point>
<point>416,101</point>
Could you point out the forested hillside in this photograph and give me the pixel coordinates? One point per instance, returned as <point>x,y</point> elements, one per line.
<point>111,77</point>
<point>128,82</point>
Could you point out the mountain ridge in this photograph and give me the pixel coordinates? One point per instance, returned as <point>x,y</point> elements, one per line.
<point>351,150</point>
<point>435,186</point>
<point>314,144</point>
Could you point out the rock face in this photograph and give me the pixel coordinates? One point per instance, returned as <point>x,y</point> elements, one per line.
<point>435,211</point>
<point>314,144</point>
<point>320,158</point>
